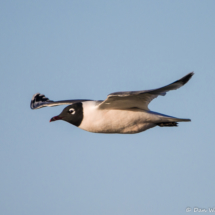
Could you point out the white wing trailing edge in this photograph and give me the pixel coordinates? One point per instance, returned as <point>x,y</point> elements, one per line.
<point>39,101</point>
<point>140,99</point>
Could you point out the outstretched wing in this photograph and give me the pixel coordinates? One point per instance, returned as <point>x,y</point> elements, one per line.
<point>39,100</point>
<point>140,99</point>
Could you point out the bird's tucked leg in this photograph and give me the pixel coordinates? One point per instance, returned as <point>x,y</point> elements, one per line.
<point>167,124</point>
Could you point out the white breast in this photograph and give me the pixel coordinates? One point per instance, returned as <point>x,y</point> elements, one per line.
<point>114,121</point>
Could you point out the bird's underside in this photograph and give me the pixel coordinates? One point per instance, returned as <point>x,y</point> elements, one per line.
<point>128,121</point>
<point>121,112</point>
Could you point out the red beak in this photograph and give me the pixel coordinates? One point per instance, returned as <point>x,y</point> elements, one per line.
<point>55,118</point>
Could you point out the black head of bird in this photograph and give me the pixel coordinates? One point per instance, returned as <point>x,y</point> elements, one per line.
<point>72,114</point>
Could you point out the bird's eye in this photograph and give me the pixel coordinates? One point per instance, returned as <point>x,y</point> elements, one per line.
<point>72,111</point>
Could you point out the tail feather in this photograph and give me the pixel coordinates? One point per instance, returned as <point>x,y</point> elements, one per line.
<point>174,119</point>
<point>165,118</point>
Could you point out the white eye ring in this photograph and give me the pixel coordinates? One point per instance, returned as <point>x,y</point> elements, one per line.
<point>72,110</point>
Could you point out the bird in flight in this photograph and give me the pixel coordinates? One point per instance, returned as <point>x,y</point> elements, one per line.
<point>121,112</point>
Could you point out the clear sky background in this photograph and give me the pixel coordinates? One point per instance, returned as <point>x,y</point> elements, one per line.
<point>86,50</point>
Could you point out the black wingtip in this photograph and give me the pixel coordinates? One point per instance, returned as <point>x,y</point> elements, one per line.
<point>37,99</point>
<point>186,78</point>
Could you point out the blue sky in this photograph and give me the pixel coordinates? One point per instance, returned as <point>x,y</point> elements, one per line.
<point>86,50</point>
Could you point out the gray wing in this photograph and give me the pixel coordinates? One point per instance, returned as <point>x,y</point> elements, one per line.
<point>39,100</point>
<point>140,99</point>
